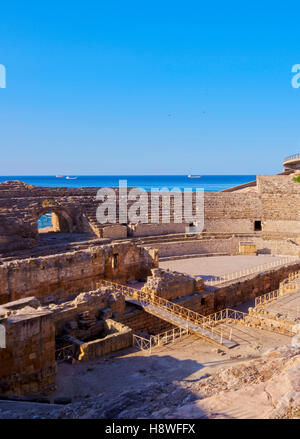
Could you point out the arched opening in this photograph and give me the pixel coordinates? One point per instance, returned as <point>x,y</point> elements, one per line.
<point>51,222</point>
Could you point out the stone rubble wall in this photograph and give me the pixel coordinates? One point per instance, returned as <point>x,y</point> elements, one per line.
<point>171,284</point>
<point>120,339</point>
<point>27,364</point>
<point>62,275</point>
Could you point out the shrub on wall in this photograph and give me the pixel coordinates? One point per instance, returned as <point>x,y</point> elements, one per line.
<point>47,203</point>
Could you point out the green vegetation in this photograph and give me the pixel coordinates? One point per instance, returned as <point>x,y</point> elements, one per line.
<point>297,179</point>
<point>47,203</point>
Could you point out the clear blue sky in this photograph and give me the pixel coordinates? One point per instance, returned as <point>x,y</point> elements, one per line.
<point>156,87</point>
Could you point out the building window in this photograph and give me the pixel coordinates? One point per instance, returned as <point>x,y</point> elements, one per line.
<point>257,226</point>
<point>202,301</point>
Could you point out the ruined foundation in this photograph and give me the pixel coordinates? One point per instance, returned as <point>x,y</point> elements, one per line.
<point>55,305</point>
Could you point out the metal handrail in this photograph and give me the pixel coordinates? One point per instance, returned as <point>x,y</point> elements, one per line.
<point>247,272</point>
<point>160,339</point>
<point>175,309</point>
<point>291,157</point>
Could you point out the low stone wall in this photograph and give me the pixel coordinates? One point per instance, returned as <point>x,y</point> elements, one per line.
<point>239,292</point>
<point>280,246</point>
<point>120,339</point>
<point>141,229</point>
<point>178,248</point>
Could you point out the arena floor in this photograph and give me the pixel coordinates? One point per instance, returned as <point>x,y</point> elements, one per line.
<point>212,266</point>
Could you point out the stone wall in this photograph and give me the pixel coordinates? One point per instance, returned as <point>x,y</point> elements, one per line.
<point>27,364</point>
<point>275,204</point>
<point>280,197</point>
<point>140,229</point>
<point>171,284</point>
<point>231,212</point>
<point>93,303</point>
<point>65,274</point>
<point>239,292</point>
<point>142,322</point>
<point>186,247</point>
<point>21,205</point>
<point>213,299</point>
<point>120,337</point>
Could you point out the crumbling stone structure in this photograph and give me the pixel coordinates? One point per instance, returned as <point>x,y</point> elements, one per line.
<point>59,276</point>
<point>272,208</point>
<point>171,284</point>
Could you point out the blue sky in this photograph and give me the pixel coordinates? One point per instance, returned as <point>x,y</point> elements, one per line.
<point>160,87</point>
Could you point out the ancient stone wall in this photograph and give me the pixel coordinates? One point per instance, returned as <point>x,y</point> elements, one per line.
<point>171,284</point>
<point>21,205</point>
<point>186,247</point>
<point>275,204</point>
<point>27,364</point>
<point>280,197</point>
<point>231,212</point>
<point>62,275</point>
<point>120,337</point>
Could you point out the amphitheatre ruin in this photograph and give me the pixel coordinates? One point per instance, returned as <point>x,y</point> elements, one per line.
<point>146,320</point>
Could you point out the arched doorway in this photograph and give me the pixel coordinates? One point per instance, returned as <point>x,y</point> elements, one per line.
<point>58,221</point>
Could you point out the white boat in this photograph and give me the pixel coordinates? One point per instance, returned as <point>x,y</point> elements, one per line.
<point>194,176</point>
<point>71,178</point>
<point>59,176</point>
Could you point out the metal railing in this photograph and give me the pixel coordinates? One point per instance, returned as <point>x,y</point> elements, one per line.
<point>161,339</point>
<point>145,299</point>
<point>291,157</point>
<point>273,295</point>
<point>63,353</point>
<point>267,298</point>
<point>247,272</point>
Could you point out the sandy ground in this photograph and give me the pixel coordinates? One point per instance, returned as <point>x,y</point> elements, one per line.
<point>217,265</point>
<point>183,362</point>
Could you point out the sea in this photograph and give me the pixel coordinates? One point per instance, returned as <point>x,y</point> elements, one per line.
<point>210,183</point>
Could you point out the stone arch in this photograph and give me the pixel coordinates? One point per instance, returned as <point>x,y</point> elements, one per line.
<point>62,219</point>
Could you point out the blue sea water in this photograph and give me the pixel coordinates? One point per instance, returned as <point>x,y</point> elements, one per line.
<point>210,183</point>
